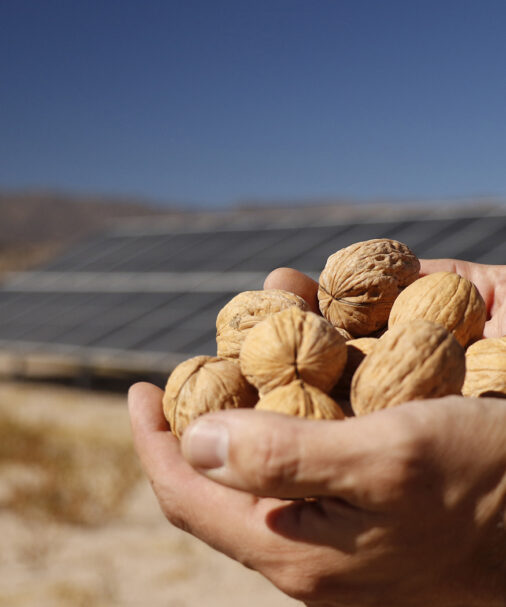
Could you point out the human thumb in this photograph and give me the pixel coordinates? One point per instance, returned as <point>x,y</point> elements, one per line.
<point>270,454</point>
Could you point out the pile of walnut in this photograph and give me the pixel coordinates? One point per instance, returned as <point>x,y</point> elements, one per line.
<point>385,337</point>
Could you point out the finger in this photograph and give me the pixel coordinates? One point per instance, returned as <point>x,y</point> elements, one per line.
<point>288,279</point>
<point>476,272</point>
<point>326,521</point>
<point>144,416</point>
<point>157,448</point>
<point>153,441</point>
<point>281,456</point>
<point>429,266</point>
<point>496,326</point>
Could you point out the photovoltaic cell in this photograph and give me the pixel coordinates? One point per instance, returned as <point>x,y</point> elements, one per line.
<point>25,305</point>
<point>77,253</point>
<point>193,313</point>
<point>315,258</point>
<point>498,252</point>
<point>185,341</point>
<point>249,249</point>
<point>483,241</point>
<point>87,253</point>
<point>144,254</point>
<point>149,254</point>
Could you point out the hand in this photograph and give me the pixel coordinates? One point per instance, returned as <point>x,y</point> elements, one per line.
<point>411,506</point>
<point>490,281</point>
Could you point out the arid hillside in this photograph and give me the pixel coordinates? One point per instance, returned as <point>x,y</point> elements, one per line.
<point>34,226</point>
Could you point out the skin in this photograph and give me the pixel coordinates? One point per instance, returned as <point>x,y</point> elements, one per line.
<point>411,506</point>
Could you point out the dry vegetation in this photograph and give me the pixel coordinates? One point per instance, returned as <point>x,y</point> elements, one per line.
<point>79,523</point>
<point>53,460</point>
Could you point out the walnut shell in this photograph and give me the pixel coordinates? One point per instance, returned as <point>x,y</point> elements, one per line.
<point>444,298</point>
<point>291,345</point>
<point>486,368</point>
<point>346,334</point>
<point>202,384</point>
<point>359,283</point>
<point>357,350</point>
<point>244,311</point>
<point>415,360</point>
<point>302,400</point>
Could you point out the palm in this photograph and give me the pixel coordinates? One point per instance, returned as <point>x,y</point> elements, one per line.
<point>411,506</point>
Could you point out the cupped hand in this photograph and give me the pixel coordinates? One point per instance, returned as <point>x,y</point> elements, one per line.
<point>405,507</point>
<point>490,281</point>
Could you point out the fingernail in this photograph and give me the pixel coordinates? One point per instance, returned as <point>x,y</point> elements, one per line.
<point>205,444</point>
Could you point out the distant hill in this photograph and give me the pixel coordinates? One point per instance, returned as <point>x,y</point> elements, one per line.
<point>34,226</point>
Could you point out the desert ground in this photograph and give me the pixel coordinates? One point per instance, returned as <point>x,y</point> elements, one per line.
<point>80,526</point>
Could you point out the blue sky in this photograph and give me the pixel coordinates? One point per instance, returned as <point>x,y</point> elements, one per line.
<point>212,102</point>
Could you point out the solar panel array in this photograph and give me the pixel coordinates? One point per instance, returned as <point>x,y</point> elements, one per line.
<point>137,295</point>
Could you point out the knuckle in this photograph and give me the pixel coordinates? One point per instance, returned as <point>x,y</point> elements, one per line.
<point>306,579</point>
<point>173,511</point>
<point>276,461</point>
<point>297,584</point>
<point>178,521</point>
<point>400,471</point>
<point>407,463</point>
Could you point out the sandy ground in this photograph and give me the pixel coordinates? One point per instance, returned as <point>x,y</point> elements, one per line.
<point>134,559</point>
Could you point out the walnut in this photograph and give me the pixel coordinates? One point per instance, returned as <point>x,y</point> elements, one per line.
<point>359,283</point>
<point>291,345</point>
<point>415,360</point>
<point>357,350</point>
<point>244,311</point>
<point>302,400</point>
<point>444,298</point>
<point>344,333</point>
<point>202,384</point>
<point>486,368</point>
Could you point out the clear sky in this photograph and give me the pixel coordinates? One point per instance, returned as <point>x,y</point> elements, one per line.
<point>218,101</point>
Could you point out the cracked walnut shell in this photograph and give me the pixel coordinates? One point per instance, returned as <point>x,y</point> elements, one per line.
<point>244,311</point>
<point>302,400</point>
<point>486,368</point>
<point>291,345</point>
<point>414,360</point>
<point>202,384</point>
<point>360,283</point>
<point>444,298</point>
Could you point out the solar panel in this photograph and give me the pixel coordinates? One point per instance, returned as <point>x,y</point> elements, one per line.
<point>496,252</point>
<point>153,295</point>
<point>486,237</point>
<point>86,252</point>
<point>167,255</point>
<point>315,258</point>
